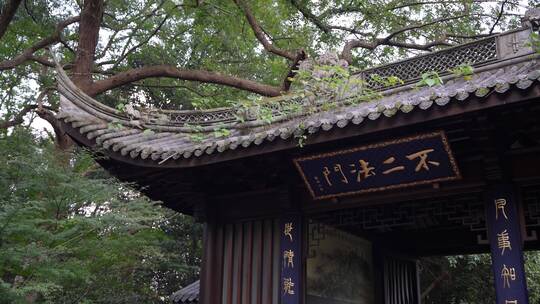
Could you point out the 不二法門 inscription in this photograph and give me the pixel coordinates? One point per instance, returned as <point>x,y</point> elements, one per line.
<point>399,163</point>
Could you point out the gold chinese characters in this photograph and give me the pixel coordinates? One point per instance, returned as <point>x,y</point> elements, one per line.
<point>287,231</point>
<point>508,274</point>
<point>363,169</point>
<point>503,241</point>
<point>288,259</point>
<point>288,286</point>
<point>500,204</point>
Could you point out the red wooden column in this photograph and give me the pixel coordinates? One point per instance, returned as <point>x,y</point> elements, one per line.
<point>211,270</point>
<point>240,262</point>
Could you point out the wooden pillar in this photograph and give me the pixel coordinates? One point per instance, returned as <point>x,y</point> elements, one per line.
<point>211,270</point>
<point>239,261</point>
<point>506,244</point>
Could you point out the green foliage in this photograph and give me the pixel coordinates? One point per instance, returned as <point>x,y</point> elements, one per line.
<point>115,125</point>
<point>301,140</point>
<point>148,132</point>
<point>463,70</point>
<point>534,41</point>
<point>328,81</point>
<point>388,81</point>
<point>120,107</point>
<point>221,132</point>
<point>205,103</point>
<point>469,278</point>
<point>430,79</point>
<point>71,234</point>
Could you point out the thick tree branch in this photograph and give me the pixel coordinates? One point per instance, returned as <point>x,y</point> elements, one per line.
<point>7,14</point>
<point>259,33</point>
<point>286,85</point>
<point>173,72</point>
<point>89,25</point>
<point>62,140</point>
<point>346,53</point>
<point>435,2</point>
<point>45,112</point>
<point>28,54</point>
<point>18,118</point>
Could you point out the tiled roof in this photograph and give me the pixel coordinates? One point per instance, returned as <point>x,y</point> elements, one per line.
<point>166,136</point>
<point>188,294</point>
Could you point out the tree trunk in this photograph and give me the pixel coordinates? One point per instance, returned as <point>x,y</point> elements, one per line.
<point>89,25</point>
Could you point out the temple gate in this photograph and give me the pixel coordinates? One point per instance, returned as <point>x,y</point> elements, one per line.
<point>335,205</point>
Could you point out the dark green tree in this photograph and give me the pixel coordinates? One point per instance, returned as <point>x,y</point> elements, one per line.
<point>468,279</point>
<point>71,234</point>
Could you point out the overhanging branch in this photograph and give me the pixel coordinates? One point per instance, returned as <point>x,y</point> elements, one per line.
<point>28,54</point>
<point>8,12</point>
<point>168,71</point>
<point>259,33</point>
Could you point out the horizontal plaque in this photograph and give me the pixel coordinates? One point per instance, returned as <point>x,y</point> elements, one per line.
<point>402,162</point>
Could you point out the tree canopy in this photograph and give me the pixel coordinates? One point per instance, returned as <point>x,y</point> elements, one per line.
<point>69,233</point>
<point>209,53</point>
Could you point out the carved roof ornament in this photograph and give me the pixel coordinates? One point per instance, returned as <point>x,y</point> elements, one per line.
<point>532,18</point>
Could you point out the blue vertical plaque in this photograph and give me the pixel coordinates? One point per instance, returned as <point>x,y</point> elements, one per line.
<point>291,259</point>
<point>506,246</point>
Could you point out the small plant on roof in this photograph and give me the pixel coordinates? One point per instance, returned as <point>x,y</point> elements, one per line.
<point>301,140</point>
<point>463,70</point>
<point>115,125</point>
<point>327,77</point>
<point>195,132</point>
<point>121,107</point>
<point>430,79</point>
<point>534,42</point>
<point>148,132</point>
<point>197,137</point>
<point>386,81</point>
<point>290,107</point>
<point>220,132</point>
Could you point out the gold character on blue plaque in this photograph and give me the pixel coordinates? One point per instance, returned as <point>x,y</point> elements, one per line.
<point>500,204</point>
<point>364,172</point>
<point>423,162</point>
<point>337,168</point>
<point>287,231</point>
<point>288,258</point>
<point>326,173</point>
<point>503,241</point>
<point>507,275</point>
<point>389,161</point>
<point>288,286</point>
